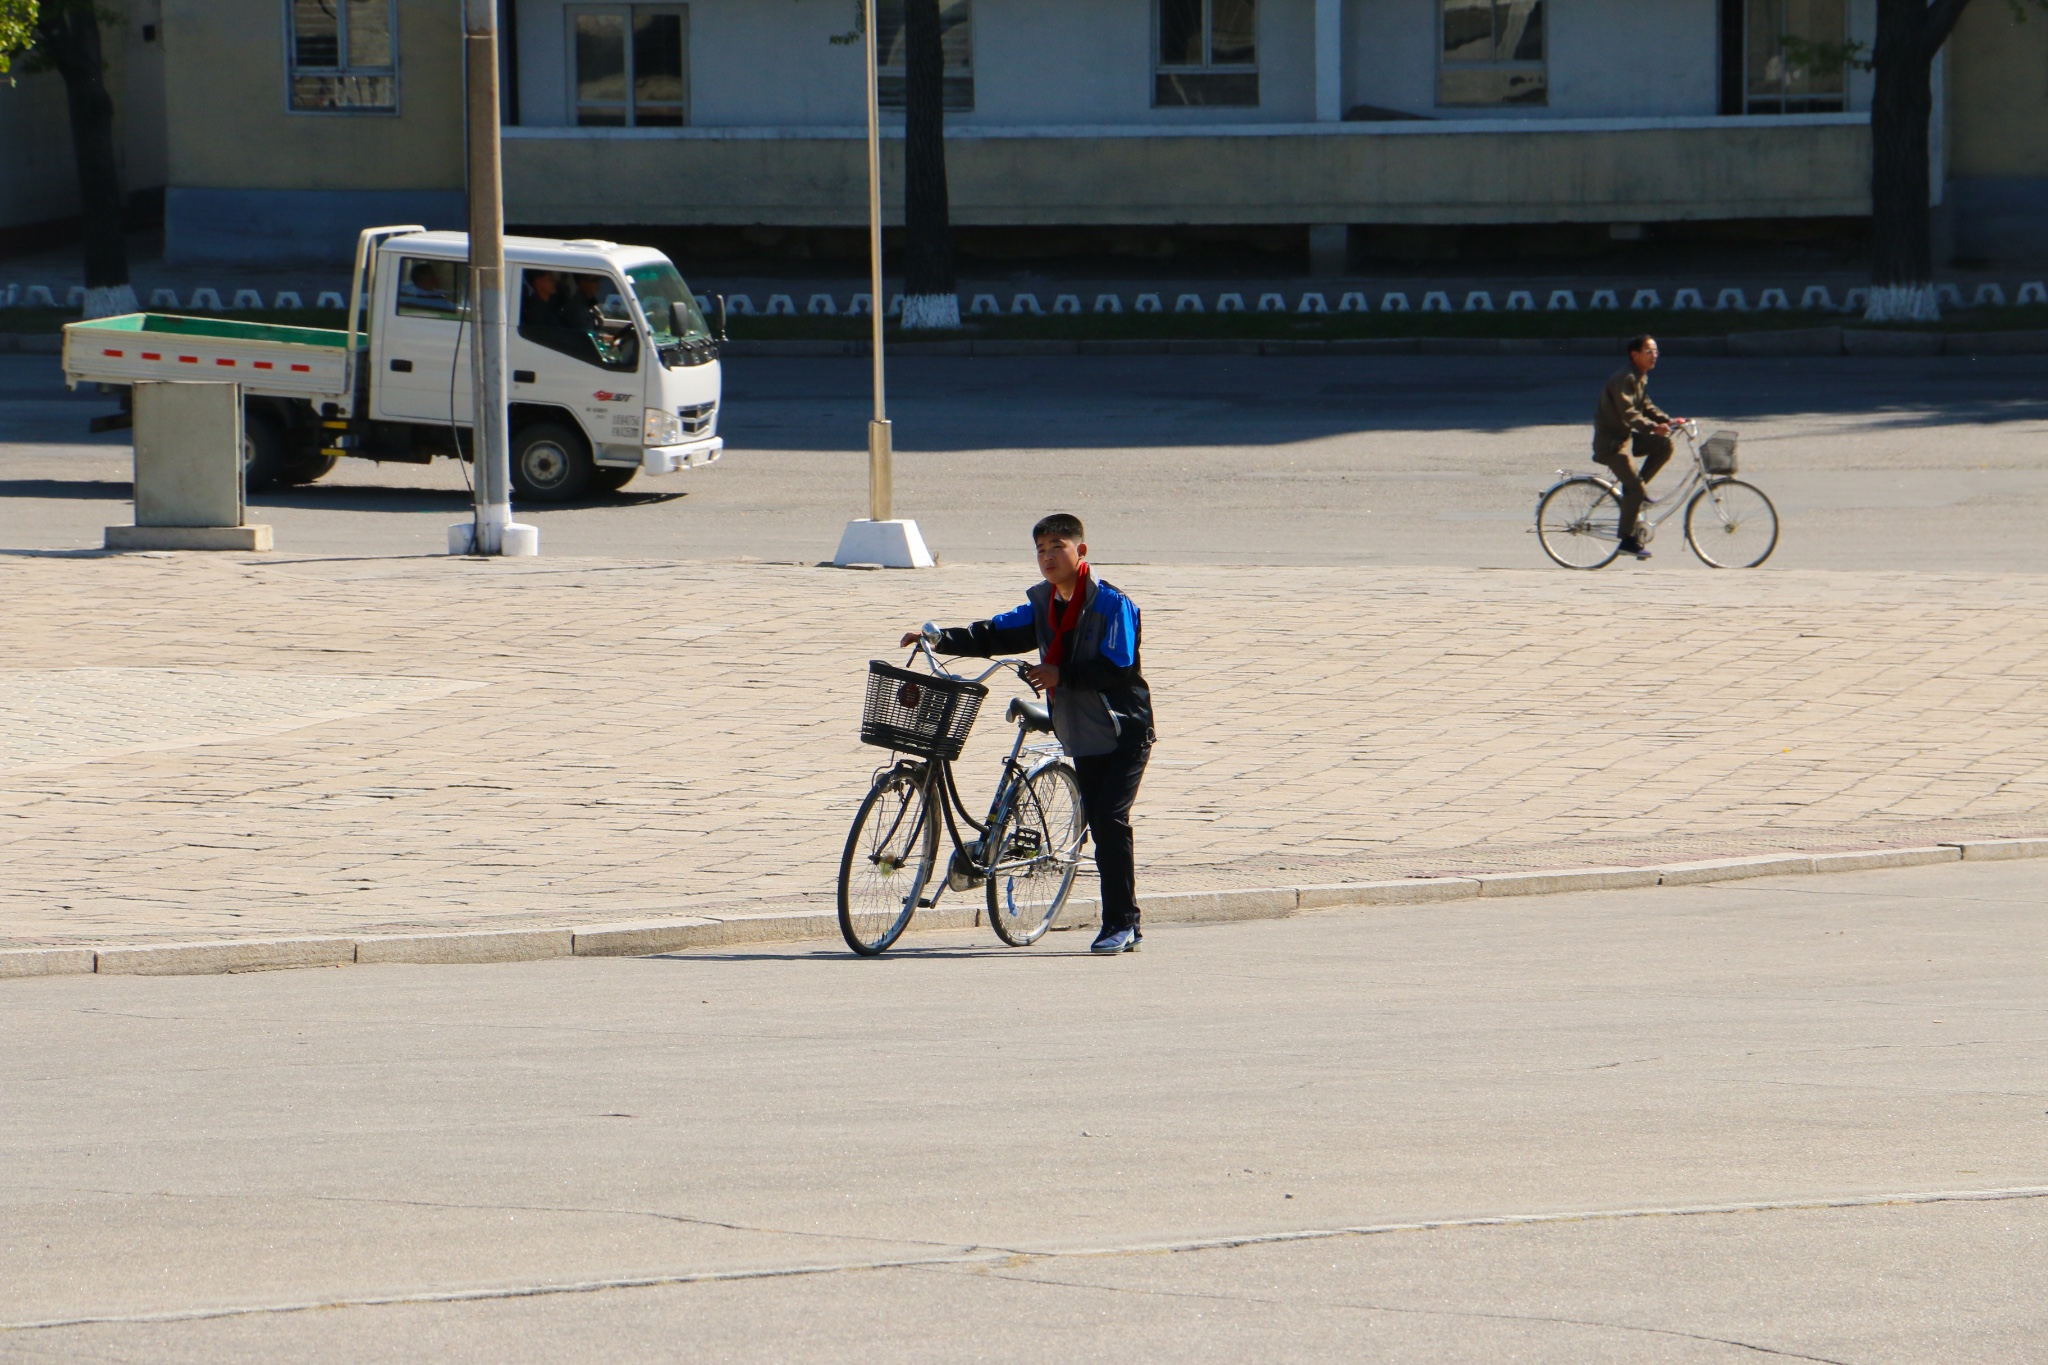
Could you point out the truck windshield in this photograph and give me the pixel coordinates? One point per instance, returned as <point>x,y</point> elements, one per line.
<point>659,288</point>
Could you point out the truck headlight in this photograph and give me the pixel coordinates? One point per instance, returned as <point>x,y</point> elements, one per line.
<point>661,428</point>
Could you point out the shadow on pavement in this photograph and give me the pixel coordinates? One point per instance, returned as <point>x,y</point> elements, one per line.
<point>66,488</point>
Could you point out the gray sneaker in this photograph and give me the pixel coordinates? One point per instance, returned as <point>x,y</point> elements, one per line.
<point>1111,942</point>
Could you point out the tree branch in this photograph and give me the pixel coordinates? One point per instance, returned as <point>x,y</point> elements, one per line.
<point>1939,22</point>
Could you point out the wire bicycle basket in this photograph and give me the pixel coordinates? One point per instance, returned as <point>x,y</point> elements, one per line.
<point>1717,454</point>
<point>926,714</point>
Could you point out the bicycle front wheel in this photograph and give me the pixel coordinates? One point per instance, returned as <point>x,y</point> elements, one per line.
<point>890,853</point>
<point>1579,523</point>
<point>1731,525</point>
<point>1038,851</point>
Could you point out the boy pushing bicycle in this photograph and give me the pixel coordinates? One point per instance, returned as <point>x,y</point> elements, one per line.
<point>1087,634</point>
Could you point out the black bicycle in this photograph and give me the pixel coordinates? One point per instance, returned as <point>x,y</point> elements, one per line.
<point>1026,850</point>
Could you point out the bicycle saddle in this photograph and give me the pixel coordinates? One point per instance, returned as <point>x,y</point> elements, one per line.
<point>1036,715</point>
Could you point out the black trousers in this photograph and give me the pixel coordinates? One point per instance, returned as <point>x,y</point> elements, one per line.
<point>1654,452</point>
<point>1109,785</point>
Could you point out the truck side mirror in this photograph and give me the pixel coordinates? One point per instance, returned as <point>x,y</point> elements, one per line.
<point>718,300</point>
<point>679,318</point>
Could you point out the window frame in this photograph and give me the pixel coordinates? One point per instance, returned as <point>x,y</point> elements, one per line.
<point>1443,65</point>
<point>626,8</point>
<point>1209,66</point>
<point>959,85</point>
<point>1815,103</point>
<point>292,69</point>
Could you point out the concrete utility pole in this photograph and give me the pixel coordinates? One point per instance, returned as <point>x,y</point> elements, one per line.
<point>492,531</point>
<point>880,539</point>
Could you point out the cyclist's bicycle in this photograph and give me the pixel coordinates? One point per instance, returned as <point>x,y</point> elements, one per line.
<point>1729,524</point>
<point>1027,848</point>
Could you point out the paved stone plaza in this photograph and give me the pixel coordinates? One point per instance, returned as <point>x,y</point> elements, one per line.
<point>197,747</point>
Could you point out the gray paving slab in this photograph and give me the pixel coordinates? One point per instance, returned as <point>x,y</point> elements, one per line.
<point>1033,1127</point>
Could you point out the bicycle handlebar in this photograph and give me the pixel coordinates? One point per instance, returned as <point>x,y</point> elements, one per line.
<point>929,636</point>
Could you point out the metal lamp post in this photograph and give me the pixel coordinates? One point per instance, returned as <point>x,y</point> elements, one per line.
<point>880,539</point>
<point>492,530</point>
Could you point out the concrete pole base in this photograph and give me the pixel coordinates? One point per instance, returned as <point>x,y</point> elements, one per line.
<point>887,544</point>
<point>514,539</point>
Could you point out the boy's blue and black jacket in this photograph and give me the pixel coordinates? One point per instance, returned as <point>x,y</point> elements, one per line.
<point>1102,703</point>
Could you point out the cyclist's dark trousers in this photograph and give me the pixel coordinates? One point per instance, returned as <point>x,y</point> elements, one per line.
<point>1109,784</point>
<point>1654,452</point>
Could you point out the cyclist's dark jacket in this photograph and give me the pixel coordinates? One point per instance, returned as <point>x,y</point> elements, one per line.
<point>1102,703</point>
<point>1624,411</point>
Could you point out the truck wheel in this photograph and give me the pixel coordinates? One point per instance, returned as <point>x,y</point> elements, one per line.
<point>611,479</point>
<point>307,466</point>
<point>550,463</point>
<point>266,448</point>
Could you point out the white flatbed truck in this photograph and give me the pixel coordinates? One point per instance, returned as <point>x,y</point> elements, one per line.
<point>613,370</point>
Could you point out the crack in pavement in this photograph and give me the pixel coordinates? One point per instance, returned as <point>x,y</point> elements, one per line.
<point>1414,1312</point>
<point>1014,1256</point>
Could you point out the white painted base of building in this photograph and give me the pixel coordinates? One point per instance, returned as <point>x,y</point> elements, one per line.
<point>517,539</point>
<point>188,537</point>
<point>891,544</point>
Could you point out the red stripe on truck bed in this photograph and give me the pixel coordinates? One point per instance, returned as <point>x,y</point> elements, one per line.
<point>188,360</point>
<point>152,355</point>
<point>219,361</point>
<point>303,369</point>
<point>112,353</point>
<point>262,365</point>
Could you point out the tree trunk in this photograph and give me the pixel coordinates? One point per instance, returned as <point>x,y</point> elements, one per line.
<point>930,292</point>
<point>68,35</point>
<point>1910,34</point>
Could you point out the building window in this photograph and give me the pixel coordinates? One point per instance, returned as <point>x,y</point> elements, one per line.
<point>1208,53</point>
<point>956,40</point>
<point>630,65</point>
<point>344,55</point>
<point>1491,54</point>
<point>1797,55</point>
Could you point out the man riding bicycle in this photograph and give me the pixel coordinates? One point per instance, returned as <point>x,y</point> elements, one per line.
<point>1626,421</point>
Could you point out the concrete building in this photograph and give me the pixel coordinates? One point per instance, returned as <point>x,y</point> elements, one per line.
<point>289,123</point>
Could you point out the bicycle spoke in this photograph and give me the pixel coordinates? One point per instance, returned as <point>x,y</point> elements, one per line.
<point>1037,856</point>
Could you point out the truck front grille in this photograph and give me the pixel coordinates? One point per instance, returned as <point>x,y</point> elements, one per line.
<point>698,418</point>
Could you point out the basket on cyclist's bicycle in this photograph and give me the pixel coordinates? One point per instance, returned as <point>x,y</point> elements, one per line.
<point>918,713</point>
<point>1717,453</point>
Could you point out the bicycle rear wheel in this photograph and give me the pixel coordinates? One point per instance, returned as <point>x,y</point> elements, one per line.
<point>890,853</point>
<point>1731,525</point>
<point>1579,523</point>
<point>1038,851</point>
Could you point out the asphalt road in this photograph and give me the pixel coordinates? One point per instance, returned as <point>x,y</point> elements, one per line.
<point>1875,464</point>
<point>965,1152</point>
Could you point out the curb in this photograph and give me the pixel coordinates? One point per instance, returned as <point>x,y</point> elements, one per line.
<point>1803,341</point>
<point>649,938</point>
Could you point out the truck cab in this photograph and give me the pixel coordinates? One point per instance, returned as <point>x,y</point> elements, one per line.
<point>612,369</point>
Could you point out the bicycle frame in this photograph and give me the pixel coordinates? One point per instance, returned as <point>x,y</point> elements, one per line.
<point>938,773</point>
<point>1663,509</point>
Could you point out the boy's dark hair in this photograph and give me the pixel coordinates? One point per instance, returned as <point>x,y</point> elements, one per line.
<point>1064,525</point>
<point>1637,343</point>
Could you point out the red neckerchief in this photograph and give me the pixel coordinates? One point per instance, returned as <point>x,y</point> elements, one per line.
<point>1063,622</point>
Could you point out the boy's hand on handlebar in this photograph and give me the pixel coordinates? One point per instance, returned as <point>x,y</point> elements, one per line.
<point>910,637</point>
<point>1041,676</point>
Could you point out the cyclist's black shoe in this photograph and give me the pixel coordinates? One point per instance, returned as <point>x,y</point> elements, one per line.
<point>1631,546</point>
<point>1112,941</point>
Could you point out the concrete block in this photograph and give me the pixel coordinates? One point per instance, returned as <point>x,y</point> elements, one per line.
<point>483,945</point>
<point>1407,891</point>
<point>1796,341</point>
<point>1731,869</point>
<point>45,961</point>
<point>642,940</point>
<point>1998,850</point>
<point>785,926</point>
<point>1570,879</point>
<point>188,454</point>
<point>1995,343</point>
<point>230,955</point>
<point>1859,341</point>
<point>1214,907</point>
<point>256,537</point>
<point>1885,857</point>
<point>891,544</point>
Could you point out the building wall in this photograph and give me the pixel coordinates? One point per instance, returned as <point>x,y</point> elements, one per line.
<point>771,63</point>
<point>38,179</point>
<point>251,180</point>
<point>1475,172</point>
<point>1998,134</point>
<point>1607,58</point>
